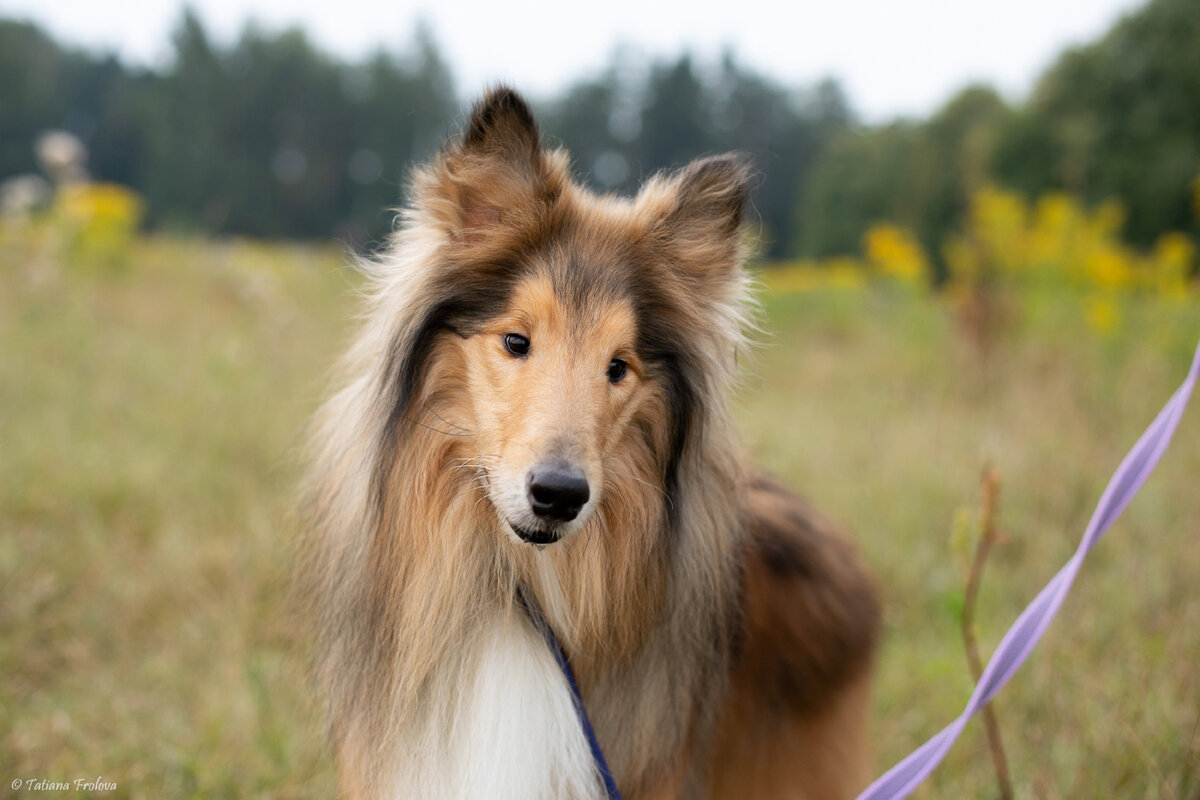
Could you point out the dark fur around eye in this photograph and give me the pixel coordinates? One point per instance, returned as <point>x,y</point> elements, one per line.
<point>616,370</point>
<point>517,344</point>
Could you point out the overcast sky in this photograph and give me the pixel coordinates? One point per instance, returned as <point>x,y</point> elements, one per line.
<point>893,57</point>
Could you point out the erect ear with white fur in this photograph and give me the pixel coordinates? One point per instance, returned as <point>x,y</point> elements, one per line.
<point>495,170</point>
<point>699,218</point>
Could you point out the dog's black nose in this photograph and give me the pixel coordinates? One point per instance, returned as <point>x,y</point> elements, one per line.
<point>557,491</point>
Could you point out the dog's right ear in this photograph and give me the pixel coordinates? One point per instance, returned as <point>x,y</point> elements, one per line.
<point>492,172</point>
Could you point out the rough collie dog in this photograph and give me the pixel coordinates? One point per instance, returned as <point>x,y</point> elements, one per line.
<point>535,412</point>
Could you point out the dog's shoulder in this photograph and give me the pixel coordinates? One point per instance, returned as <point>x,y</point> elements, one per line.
<point>810,610</point>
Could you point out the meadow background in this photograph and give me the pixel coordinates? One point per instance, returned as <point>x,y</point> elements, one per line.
<point>967,308</point>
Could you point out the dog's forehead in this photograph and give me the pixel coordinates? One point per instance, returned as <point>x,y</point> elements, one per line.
<point>592,258</point>
<point>595,257</point>
<point>575,300</point>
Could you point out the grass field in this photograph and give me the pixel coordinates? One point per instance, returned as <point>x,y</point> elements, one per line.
<point>148,420</point>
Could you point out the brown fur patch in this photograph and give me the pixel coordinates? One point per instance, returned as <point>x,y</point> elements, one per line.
<point>811,613</point>
<point>794,724</point>
<point>823,612</point>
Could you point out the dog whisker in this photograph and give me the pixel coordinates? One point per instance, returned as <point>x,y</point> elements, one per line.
<point>465,431</point>
<point>426,426</point>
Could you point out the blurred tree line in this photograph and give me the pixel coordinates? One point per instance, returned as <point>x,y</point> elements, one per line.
<point>267,137</point>
<point>1115,119</point>
<point>271,137</point>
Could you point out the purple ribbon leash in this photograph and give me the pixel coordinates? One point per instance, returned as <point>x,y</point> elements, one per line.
<point>1023,636</point>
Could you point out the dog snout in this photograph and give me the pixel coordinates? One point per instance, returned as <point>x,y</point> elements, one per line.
<point>557,491</point>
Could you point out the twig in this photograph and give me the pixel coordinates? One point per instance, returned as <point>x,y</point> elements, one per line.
<point>990,487</point>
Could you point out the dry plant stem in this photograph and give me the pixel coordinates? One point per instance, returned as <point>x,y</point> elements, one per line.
<point>990,486</point>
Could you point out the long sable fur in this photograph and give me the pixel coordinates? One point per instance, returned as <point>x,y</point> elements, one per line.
<point>407,566</point>
<point>399,570</point>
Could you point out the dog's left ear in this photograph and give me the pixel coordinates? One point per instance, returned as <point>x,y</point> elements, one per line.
<point>699,217</point>
<point>502,126</point>
<point>494,172</point>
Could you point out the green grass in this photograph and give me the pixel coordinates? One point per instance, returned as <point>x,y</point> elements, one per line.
<point>148,420</point>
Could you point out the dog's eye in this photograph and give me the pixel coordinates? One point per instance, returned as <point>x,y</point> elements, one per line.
<point>616,370</point>
<point>516,344</point>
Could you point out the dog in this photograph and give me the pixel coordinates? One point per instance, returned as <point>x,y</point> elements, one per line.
<point>536,411</point>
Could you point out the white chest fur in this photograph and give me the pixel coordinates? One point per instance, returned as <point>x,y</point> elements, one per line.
<point>509,730</point>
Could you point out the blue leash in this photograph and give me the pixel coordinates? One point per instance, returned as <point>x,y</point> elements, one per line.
<point>543,627</point>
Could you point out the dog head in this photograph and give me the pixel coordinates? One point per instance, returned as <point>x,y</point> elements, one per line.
<point>579,336</point>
